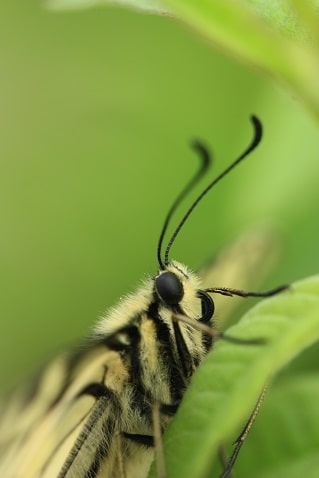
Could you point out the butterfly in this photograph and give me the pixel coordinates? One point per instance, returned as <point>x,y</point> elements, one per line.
<point>99,410</point>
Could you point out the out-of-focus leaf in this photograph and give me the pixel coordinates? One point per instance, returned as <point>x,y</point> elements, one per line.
<point>148,6</point>
<point>254,36</point>
<point>278,37</point>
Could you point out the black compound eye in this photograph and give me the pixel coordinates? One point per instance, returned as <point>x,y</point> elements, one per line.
<point>169,288</point>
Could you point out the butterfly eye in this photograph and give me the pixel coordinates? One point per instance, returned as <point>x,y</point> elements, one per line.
<point>169,288</point>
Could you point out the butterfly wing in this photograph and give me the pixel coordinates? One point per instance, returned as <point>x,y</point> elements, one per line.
<point>69,424</point>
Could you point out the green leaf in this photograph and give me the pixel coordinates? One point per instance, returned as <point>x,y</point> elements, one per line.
<point>226,386</point>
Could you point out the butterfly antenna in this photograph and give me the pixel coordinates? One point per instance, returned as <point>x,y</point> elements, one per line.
<point>205,163</point>
<point>255,141</point>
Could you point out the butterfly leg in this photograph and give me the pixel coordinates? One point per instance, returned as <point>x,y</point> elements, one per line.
<point>223,458</point>
<point>158,441</point>
<point>243,435</point>
<point>155,440</point>
<point>120,460</point>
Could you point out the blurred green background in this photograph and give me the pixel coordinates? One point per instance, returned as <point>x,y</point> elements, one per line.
<point>97,108</point>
